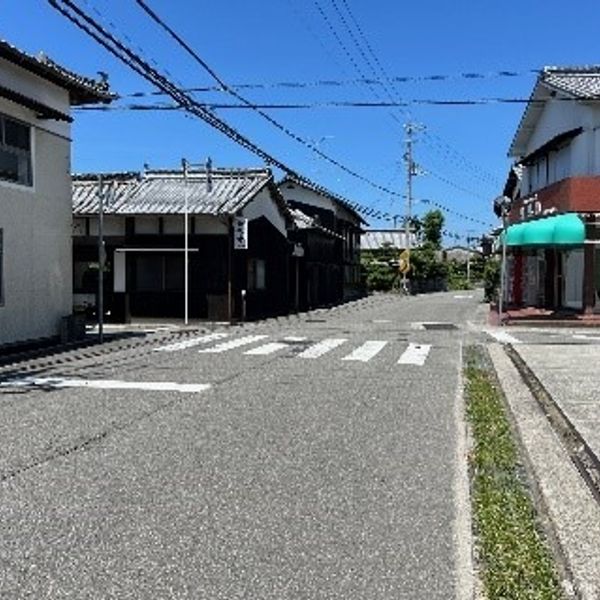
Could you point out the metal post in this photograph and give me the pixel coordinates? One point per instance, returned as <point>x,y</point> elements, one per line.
<point>230,270</point>
<point>502,267</point>
<point>186,282</point>
<point>100,306</point>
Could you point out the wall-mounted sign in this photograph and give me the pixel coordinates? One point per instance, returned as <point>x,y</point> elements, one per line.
<point>240,233</point>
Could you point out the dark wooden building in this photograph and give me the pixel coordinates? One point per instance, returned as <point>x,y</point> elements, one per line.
<point>238,250</point>
<point>326,265</point>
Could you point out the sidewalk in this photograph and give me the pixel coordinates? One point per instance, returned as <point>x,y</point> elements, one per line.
<point>542,317</point>
<point>568,504</point>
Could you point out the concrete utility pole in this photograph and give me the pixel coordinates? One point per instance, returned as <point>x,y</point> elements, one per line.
<point>100,305</point>
<point>410,171</point>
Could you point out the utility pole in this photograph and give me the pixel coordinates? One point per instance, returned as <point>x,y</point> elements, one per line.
<point>184,165</point>
<point>100,304</point>
<point>410,172</point>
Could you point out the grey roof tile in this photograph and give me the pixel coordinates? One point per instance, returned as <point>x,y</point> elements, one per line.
<point>164,192</point>
<point>83,90</point>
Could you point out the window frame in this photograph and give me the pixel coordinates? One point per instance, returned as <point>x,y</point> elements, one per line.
<point>30,183</point>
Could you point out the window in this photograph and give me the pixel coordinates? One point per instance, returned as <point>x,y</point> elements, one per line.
<point>256,274</point>
<point>1,270</point>
<point>15,152</point>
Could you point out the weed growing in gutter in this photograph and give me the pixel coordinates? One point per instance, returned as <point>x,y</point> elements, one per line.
<point>515,561</point>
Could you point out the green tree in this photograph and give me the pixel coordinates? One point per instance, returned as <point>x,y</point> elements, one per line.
<point>432,224</point>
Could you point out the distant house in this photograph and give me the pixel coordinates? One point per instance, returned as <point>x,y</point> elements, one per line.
<point>144,228</point>
<point>36,96</point>
<point>328,231</point>
<point>377,239</point>
<point>460,254</point>
<point>553,237</point>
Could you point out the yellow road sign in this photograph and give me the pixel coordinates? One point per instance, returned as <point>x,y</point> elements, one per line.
<point>404,262</point>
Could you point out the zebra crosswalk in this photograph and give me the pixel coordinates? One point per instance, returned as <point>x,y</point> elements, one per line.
<point>302,348</point>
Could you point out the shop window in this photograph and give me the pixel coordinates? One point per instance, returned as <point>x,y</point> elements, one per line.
<point>15,152</point>
<point>256,274</point>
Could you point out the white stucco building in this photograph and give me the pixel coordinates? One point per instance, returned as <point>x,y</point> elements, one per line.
<point>36,96</point>
<point>553,236</point>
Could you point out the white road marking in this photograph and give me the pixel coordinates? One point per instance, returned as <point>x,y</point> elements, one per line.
<point>225,346</point>
<point>382,321</point>
<point>502,336</point>
<point>267,349</point>
<point>197,341</point>
<point>415,354</point>
<point>294,338</point>
<point>462,296</point>
<point>105,384</point>
<point>322,347</point>
<point>367,351</point>
<point>583,336</point>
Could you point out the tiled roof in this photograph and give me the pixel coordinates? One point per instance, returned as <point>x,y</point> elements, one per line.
<point>376,239</point>
<point>319,189</point>
<point>579,82</point>
<point>82,90</point>
<point>304,221</point>
<point>164,192</point>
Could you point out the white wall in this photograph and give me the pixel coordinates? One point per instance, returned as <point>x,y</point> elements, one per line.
<point>263,205</point>
<point>38,89</point>
<point>581,157</point>
<point>37,252</point>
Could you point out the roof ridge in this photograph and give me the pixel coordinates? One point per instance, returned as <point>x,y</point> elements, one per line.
<point>90,89</point>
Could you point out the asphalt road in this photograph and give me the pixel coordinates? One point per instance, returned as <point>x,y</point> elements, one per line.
<point>323,466</point>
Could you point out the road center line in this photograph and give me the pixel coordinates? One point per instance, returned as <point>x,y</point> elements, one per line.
<point>104,384</point>
<point>367,351</point>
<point>197,341</point>
<point>415,354</point>
<point>322,347</point>
<point>243,341</point>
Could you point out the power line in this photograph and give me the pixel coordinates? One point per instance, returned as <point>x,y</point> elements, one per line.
<point>130,58</point>
<point>343,104</point>
<point>245,102</point>
<point>454,212</point>
<point>338,83</point>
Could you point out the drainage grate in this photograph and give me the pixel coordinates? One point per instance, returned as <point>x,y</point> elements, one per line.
<point>440,326</point>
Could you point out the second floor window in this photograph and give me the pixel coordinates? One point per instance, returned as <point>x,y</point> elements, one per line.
<point>15,152</point>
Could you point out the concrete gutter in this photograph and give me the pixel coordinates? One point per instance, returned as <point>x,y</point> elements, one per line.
<point>566,502</point>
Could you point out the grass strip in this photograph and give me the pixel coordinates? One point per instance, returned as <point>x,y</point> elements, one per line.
<point>515,560</point>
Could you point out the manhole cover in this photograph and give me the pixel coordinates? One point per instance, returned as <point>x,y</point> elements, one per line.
<point>440,326</point>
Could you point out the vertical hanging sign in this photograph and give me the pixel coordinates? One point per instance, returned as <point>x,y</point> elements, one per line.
<point>240,233</point>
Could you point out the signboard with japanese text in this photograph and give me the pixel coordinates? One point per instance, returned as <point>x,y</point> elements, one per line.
<point>240,233</point>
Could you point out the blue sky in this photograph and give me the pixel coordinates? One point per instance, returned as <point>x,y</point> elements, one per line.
<point>461,150</point>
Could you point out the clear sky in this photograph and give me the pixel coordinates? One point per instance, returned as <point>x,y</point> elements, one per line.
<point>461,150</point>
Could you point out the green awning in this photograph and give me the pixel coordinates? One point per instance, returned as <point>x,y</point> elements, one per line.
<point>558,230</point>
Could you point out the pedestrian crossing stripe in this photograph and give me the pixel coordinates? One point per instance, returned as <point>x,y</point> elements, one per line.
<point>231,344</point>
<point>413,354</point>
<point>322,347</point>
<point>367,351</point>
<point>190,343</point>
